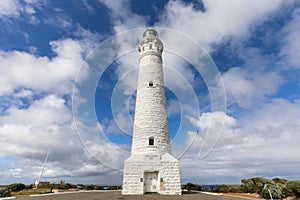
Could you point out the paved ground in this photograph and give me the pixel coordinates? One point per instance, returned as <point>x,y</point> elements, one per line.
<point>118,196</point>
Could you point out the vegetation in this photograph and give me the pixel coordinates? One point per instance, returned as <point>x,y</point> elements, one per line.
<point>273,189</point>
<point>228,188</point>
<point>190,186</point>
<point>16,187</point>
<point>279,188</point>
<point>294,188</point>
<point>4,192</point>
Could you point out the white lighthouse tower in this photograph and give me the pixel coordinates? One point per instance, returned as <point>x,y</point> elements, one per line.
<point>151,168</point>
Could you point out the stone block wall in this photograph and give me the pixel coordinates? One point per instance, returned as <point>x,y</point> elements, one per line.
<point>151,117</point>
<point>166,166</point>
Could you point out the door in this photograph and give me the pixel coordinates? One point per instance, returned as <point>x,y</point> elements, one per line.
<point>151,181</point>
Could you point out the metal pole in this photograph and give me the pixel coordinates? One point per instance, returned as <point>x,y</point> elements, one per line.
<point>265,188</point>
<point>270,194</point>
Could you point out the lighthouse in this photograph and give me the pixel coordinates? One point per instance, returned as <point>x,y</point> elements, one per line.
<point>151,168</point>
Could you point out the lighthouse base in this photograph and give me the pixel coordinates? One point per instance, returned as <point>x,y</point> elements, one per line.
<point>151,173</point>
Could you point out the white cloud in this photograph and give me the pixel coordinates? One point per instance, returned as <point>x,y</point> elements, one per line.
<point>60,21</point>
<point>24,93</point>
<point>17,8</point>
<point>210,127</point>
<point>49,110</point>
<point>173,107</point>
<point>250,88</point>
<point>36,113</point>
<point>45,118</point>
<point>219,21</point>
<point>9,8</point>
<point>26,134</point>
<point>41,74</point>
<point>122,16</point>
<point>291,48</point>
<point>118,125</point>
<point>262,143</point>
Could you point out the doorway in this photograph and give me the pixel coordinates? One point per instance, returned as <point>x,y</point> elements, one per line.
<point>151,182</point>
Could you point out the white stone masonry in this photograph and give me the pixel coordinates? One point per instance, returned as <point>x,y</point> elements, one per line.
<point>151,168</point>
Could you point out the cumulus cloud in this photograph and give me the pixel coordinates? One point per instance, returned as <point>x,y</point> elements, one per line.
<point>123,17</point>
<point>41,74</point>
<point>16,8</point>
<point>291,50</point>
<point>250,88</point>
<point>262,143</point>
<point>36,115</point>
<point>27,134</point>
<point>219,21</point>
<point>9,8</point>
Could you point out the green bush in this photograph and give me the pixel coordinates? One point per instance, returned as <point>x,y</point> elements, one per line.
<point>4,192</point>
<point>60,187</point>
<point>280,180</point>
<point>254,185</point>
<point>90,187</point>
<point>16,187</point>
<point>191,186</point>
<point>234,188</point>
<point>228,188</point>
<point>274,188</point>
<point>222,188</point>
<point>248,186</point>
<point>294,188</point>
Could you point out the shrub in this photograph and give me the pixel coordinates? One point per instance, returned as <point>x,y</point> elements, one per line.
<point>90,187</point>
<point>280,180</point>
<point>248,185</point>
<point>188,186</point>
<point>61,187</point>
<point>4,192</point>
<point>254,185</point>
<point>223,188</point>
<point>234,188</point>
<point>16,187</point>
<point>275,189</point>
<point>294,187</point>
<point>228,188</point>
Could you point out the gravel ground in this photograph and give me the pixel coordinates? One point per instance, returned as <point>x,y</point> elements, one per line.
<point>111,195</point>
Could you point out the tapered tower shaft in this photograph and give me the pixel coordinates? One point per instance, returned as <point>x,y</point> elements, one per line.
<point>151,131</point>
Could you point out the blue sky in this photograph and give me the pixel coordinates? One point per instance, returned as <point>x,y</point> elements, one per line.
<point>228,64</point>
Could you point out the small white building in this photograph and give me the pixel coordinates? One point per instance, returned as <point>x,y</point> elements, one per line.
<point>151,168</point>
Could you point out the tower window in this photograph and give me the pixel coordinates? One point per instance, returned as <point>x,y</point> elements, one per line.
<point>151,141</point>
<point>150,46</point>
<point>161,180</point>
<point>150,83</point>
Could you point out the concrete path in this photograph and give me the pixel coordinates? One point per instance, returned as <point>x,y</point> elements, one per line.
<point>116,195</point>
